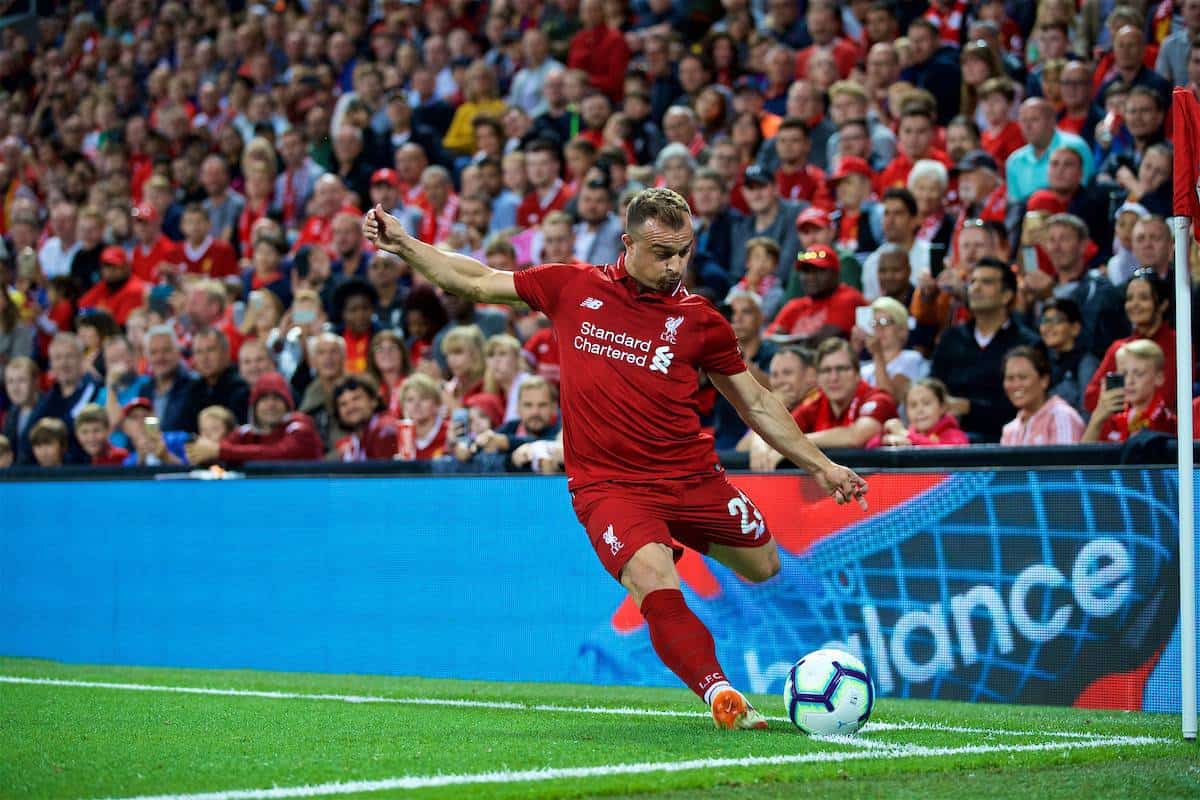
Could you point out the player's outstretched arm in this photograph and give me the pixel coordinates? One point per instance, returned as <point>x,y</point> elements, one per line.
<point>462,275</point>
<point>763,412</point>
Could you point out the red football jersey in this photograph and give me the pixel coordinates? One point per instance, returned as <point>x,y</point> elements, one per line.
<point>805,316</point>
<point>629,362</point>
<point>149,263</point>
<point>816,413</point>
<point>213,259</point>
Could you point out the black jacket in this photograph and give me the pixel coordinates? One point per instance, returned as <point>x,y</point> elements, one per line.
<point>977,374</point>
<point>176,415</point>
<point>230,391</point>
<point>54,404</point>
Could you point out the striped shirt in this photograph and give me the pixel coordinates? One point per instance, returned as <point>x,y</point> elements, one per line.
<point>1054,423</point>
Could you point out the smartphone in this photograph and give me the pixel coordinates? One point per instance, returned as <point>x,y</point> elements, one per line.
<point>151,424</point>
<point>1114,380</point>
<point>864,317</point>
<point>1029,259</point>
<point>460,422</point>
<point>937,258</point>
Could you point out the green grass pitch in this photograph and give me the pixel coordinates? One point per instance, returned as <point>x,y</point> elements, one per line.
<point>64,736</point>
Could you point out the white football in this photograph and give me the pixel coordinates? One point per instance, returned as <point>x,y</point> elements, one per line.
<point>828,692</point>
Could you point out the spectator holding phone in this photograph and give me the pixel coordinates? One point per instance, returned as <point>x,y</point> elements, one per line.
<point>1132,400</point>
<point>1147,299</point>
<point>151,446</point>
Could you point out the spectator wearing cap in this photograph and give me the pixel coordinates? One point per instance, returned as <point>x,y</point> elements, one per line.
<point>526,88</point>
<point>900,224</point>
<point>118,291</point>
<point>828,307</point>
<point>154,256</point>
<point>170,390</point>
<point>202,253</point>
<point>1026,170</point>
<point>849,102</point>
<point>599,50</point>
<point>218,382</point>
<point>796,178</point>
<point>295,182</point>
<point>855,212</point>
<point>72,389</point>
<point>56,253</point>
<point>769,216</point>
<point>845,412</point>
<point>969,357</point>
<point>150,446</point>
<point>276,432</point>
<point>222,203</point>
<point>360,409</point>
<point>748,99</point>
<point>1071,366</point>
<point>934,67</point>
<point>813,227</point>
<point>1065,242</point>
<point>385,191</point>
<point>980,189</point>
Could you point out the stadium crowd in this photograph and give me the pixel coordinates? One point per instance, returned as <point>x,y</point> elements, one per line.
<point>930,222</point>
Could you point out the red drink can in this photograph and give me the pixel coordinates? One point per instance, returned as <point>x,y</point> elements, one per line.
<point>406,440</point>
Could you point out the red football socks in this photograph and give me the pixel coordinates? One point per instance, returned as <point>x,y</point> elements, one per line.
<point>682,641</point>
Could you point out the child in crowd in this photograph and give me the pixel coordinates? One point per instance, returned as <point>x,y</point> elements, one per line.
<point>92,432</point>
<point>49,440</point>
<point>762,261</point>
<point>1137,405</point>
<point>929,424</point>
<point>215,423</point>
<point>1001,135</point>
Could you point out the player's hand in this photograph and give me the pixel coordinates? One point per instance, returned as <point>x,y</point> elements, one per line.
<point>843,485</point>
<point>383,230</point>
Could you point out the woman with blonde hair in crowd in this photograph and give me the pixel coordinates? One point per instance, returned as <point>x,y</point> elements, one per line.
<point>264,310</point>
<point>505,372</point>
<point>421,402</point>
<point>886,344</point>
<point>387,363</point>
<point>463,348</point>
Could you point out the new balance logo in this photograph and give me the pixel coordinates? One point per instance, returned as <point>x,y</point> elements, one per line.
<point>610,539</point>
<point>672,328</point>
<point>591,303</point>
<point>662,359</point>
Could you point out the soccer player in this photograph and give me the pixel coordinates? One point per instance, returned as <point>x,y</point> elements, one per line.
<point>639,470</point>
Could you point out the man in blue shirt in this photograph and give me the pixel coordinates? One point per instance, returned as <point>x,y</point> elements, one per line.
<point>1027,169</point>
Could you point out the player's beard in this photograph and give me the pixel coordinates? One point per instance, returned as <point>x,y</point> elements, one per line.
<point>668,282</point>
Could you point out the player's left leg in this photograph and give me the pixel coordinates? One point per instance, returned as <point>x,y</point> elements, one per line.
<point>755,564</point>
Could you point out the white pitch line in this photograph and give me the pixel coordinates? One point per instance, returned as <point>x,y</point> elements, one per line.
<point>870,727</point>
<point>559,773</point>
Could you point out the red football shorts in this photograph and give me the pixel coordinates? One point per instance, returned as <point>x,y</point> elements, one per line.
<point>696,512</point>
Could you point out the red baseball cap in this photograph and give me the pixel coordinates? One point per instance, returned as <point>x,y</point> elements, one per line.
<point>1047,201</point>
<point>813,216</point>
<point>144,212</point>
<point>136,403</point>
<point>851,165</point>
<point>385,175</point>
<point>114,256</point>
<point>819,255</point>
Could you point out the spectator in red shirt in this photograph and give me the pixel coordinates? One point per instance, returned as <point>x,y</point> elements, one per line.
<point>599,50</point>
<point>360,410</point>
<point>846,412</point>
<point>1138,404</point>
<point>1001,135</point>
<point>154,256</point>
<point>828,309</point>
<point>118,292</point>
<point>547,192</point>
<point>91,431</point>
<point>824,26</point>
<point>204,254</point>
<point>421,399</point>
<point>929,423</point>
<point>276,431</point>
<point>914,142</point>
<point>796,178</point>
